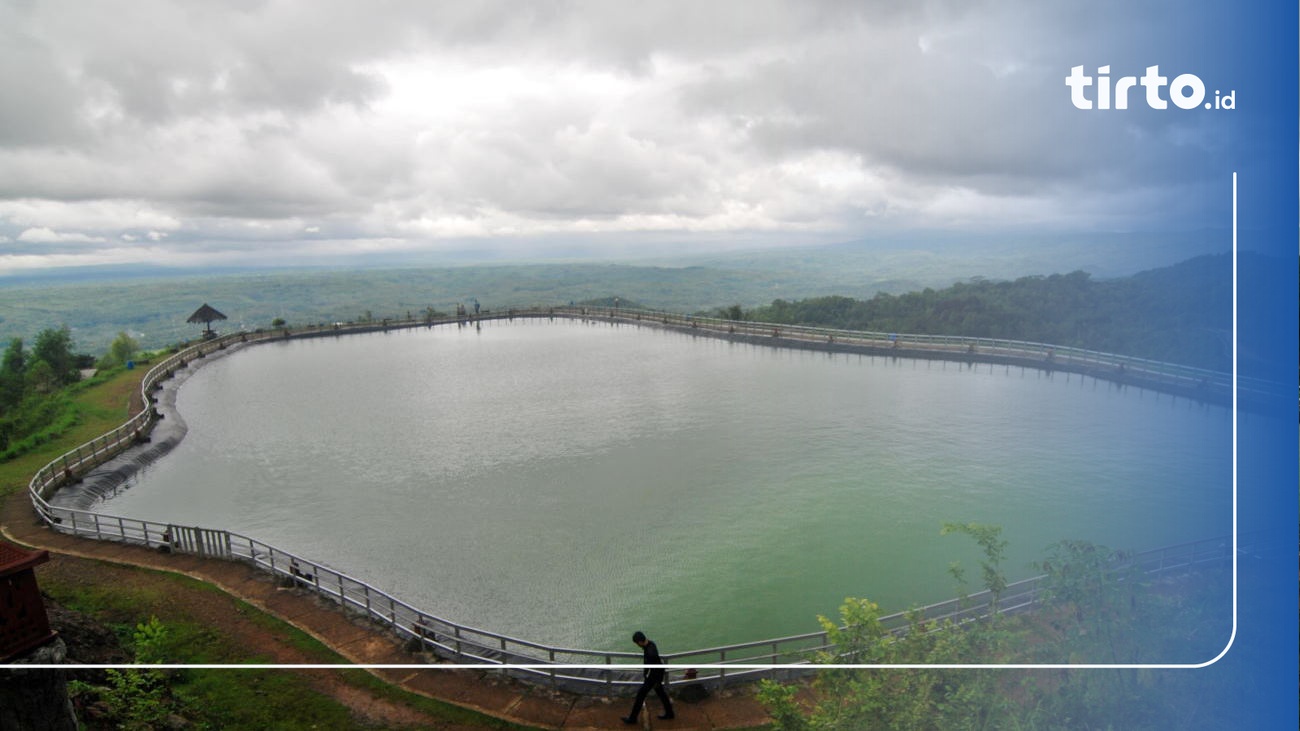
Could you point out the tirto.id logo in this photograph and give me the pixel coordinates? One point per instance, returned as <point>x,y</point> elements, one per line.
<point>1186,91</point>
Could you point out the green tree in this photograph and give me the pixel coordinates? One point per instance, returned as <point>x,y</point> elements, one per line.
<point>122,349</point>
<point>902,699</point>
<point>40,378</point>
<point>53,347</point>
<point>12,380</point>
<point>1179,313</point>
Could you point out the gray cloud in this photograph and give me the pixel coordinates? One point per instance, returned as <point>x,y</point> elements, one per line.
<point>411,124</point>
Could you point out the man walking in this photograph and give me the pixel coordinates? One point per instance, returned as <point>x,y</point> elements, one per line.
<point>654,678</point>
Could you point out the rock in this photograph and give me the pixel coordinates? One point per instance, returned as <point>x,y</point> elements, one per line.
<point>88,640</point>
<point>691,692</point>
<point>36,699</point>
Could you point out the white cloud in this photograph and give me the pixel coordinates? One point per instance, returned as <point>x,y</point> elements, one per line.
<point>93,214</point>
<point>44,235</point>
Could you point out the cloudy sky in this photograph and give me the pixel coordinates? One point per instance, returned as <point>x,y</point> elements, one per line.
<point>194,133</point>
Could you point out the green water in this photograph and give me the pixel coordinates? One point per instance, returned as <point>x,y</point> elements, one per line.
<point>570,482</point>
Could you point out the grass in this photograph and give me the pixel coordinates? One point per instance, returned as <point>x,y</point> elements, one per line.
<point>100,405</point>
<point>234,699</point>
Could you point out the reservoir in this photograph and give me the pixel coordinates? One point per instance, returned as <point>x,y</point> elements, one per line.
<point>569,482</point>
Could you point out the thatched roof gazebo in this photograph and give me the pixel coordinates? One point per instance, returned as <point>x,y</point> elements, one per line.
<point>206,315</point>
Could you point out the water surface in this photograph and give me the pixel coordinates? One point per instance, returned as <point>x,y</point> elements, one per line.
<point>569,482</point>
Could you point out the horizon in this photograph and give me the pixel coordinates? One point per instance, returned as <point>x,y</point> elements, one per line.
<point>1146,251</point>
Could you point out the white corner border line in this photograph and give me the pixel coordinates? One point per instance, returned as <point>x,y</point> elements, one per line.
<point>800,666</point>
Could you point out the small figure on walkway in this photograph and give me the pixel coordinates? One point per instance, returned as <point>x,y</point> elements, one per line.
<point>654,678</point>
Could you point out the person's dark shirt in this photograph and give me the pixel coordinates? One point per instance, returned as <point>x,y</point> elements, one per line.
<point>650,656</point>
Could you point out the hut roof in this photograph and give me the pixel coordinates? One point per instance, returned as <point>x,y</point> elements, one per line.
<point>206,314</point>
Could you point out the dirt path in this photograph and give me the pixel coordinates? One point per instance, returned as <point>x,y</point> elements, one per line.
<point>221,613</point>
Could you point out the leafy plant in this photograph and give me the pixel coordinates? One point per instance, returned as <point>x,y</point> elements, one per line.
<point>136,698</point>
<point>989,539</point>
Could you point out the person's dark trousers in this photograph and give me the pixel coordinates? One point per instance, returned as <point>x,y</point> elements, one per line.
<point>654,680</point>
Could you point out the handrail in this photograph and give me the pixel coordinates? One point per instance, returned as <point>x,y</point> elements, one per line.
<point>429,633</point>
<point>1046,355</point>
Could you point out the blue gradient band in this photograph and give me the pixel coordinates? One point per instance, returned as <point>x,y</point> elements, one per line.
<point>1250,52</point>
<point>1255,46</point>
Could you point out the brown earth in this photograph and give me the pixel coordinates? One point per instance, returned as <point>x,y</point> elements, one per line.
<point>91,642</point>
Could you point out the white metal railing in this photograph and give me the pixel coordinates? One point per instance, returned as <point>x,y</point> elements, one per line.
<point>1044,355</point>
<point>469,644</point>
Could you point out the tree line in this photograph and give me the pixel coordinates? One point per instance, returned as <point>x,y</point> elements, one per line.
<point>32,380</point>
<point>1179,314</point>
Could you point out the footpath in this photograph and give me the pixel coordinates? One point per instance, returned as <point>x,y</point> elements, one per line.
<point>484,691</point>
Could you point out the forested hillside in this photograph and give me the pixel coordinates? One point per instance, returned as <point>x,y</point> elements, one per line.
<point>1181,313</point>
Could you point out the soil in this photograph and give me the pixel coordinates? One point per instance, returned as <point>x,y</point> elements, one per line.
<point>91,641</point>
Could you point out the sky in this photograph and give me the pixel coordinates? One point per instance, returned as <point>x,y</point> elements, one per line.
<point>246,133</point>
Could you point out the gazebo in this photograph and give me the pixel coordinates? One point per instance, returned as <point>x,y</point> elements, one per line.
<point>206,315</point>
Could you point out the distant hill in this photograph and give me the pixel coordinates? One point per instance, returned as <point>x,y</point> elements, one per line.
<point>153,309</point>
<point>1181,313</point>
<point>151,304</point>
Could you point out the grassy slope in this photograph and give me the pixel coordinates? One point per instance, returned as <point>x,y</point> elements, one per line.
<point>100,407</point>
<point>251,699</point>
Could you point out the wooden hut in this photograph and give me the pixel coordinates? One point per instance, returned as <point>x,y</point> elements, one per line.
<point>23,622</point>
<point>206,315</point>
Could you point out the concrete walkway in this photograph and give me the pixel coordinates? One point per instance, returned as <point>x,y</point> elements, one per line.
<point>483,691</point>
